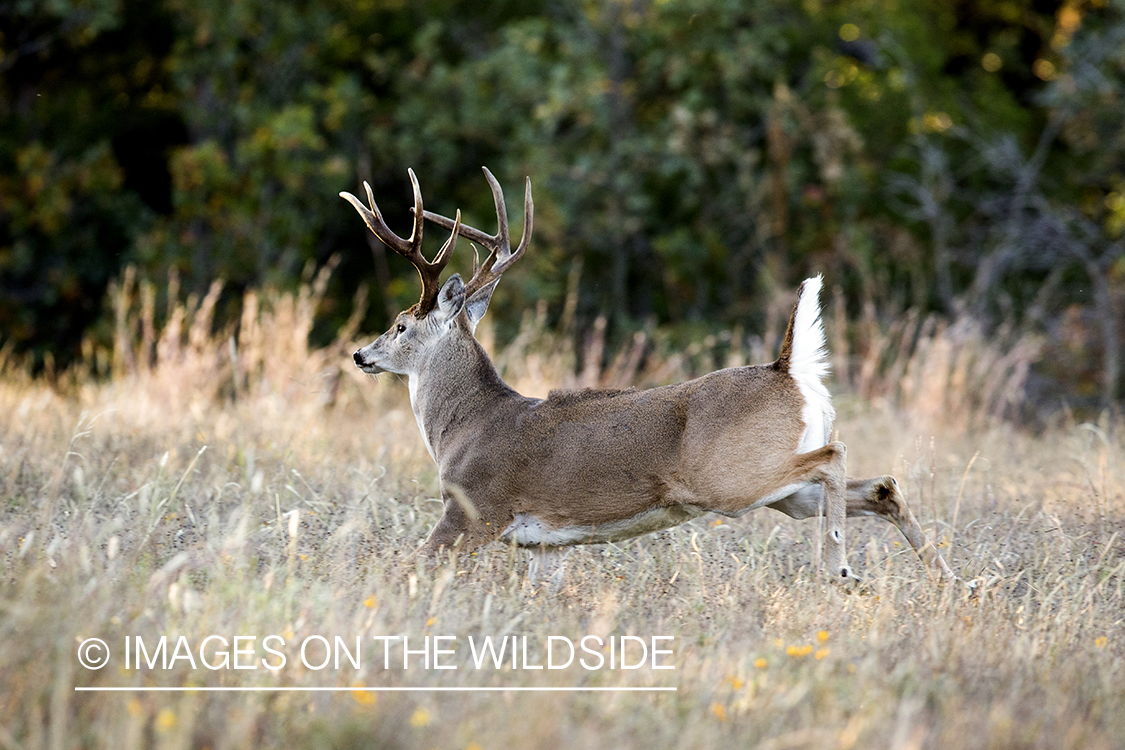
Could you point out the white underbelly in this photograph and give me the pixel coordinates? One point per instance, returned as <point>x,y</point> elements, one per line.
<point>528,531</point>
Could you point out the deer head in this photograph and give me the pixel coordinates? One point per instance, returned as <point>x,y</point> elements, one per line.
<point>447,310</point>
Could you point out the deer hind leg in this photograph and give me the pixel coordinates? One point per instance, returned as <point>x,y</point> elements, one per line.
<point>826,469</point>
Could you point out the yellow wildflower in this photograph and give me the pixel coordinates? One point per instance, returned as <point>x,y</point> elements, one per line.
<point>363,697</point>
<point>165,720</point>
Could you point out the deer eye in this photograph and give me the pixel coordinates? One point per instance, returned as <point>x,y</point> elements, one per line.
<point>401,328</point>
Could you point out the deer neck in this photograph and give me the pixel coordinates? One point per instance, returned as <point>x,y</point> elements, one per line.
<point>455,389</point>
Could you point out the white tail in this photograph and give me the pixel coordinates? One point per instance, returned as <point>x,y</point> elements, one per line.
<point>599,466</point>
<point>808,364</point>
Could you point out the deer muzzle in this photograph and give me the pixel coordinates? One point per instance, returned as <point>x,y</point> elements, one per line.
<point>363,364</point>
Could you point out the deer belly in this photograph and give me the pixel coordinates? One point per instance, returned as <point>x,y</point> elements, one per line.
<point>528,531</point>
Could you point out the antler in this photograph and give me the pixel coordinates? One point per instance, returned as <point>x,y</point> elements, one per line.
<point>500,256</point>
<point>411,248</point>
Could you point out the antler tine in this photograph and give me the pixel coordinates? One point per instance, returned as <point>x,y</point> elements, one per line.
<point>416,232</point>
<point>442,258</point>
<point>476,259</point>
<point>502,241</point>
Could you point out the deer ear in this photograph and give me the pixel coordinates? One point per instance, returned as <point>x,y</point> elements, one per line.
<point>478,303</point>
<point>451,298</point>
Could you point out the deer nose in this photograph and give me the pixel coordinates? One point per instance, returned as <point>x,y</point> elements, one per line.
<point>358,359</point>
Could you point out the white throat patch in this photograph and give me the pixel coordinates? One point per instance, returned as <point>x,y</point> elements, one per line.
<point>412,386</point>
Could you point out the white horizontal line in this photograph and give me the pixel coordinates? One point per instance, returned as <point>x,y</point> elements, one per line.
<point>366,689</point>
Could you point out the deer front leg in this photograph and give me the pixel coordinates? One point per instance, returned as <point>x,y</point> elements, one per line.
<point>834,477</point>
<point>459,527</point>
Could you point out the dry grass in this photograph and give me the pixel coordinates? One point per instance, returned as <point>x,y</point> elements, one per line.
<point>314,484</point>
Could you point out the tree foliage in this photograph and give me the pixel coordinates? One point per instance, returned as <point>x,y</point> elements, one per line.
<point>689,157</point>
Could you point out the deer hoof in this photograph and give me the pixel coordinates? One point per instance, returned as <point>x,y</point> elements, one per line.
<point>845,576</point>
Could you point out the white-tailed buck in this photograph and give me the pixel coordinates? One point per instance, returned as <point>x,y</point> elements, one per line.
<point>600,466</point>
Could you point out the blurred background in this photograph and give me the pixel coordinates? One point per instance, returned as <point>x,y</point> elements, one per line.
<point>955,169</point>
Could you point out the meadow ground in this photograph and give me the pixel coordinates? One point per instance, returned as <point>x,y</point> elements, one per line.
<point>159,503</point>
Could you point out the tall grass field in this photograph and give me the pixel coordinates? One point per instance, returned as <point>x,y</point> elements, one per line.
<point>203,487</point>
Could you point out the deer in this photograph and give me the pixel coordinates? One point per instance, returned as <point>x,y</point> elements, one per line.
<point>599,466</point>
